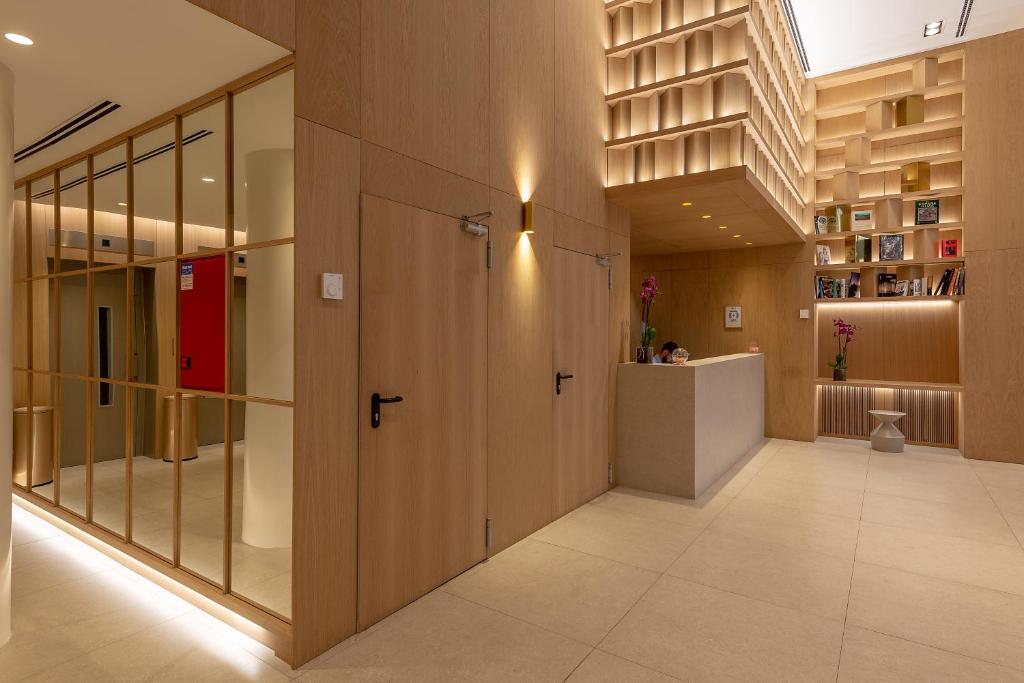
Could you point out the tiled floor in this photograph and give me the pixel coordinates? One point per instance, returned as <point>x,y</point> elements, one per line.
<point>816,562</point>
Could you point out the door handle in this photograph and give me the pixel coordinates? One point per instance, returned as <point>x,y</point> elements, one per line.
<point>559,377</point>
<point>375,401</point>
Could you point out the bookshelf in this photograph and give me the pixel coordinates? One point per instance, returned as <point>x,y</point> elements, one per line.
<point>886,137</point>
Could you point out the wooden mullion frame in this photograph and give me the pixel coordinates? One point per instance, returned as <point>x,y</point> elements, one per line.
<point>90,363</point>
<point>229,291</point>
<point>55,388</point>
<point>30,295</point>
<point>129,327</point>
<point>178,244</point>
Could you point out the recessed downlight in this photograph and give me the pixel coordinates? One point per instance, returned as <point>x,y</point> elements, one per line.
<point>687,203</point>
<point>737,236</point>
<point>750,244</point>
<point>932,28</point>
<point>122,204</point>
<point>706,216</point>
<point>723,227</point>
<point>19,39</point>
<point>208,179</point>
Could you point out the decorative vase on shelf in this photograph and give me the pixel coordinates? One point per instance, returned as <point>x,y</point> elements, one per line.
<point>644,354</point>
<point>839,374</point>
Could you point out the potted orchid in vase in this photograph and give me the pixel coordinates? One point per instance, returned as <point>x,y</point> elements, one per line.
<point>648,292</point>
<point>843,333</point>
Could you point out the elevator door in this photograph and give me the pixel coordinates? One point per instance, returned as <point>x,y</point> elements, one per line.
<point>581,351</point>
<point>422,470</point>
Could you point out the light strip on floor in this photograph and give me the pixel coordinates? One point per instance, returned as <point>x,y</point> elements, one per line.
<point>157,589</point>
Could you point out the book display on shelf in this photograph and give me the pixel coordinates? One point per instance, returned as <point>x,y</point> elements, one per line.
<point>950,248</point>
<point>926,212</point>
<point>858,249</point>
<point>902,287</point>
<point>853,289</point>
<point>863,219</point>
<point>820,225</point>
<point>890,247</point>
<point>887,284</point>
<point>824,255</point>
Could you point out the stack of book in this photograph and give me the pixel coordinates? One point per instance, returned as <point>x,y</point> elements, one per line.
<point>952,282</point>
<point>826,287</point>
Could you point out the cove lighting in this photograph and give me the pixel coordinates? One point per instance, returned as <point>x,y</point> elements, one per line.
<point>19,39</point>
<point>932,28</point>
<point>208,179</point>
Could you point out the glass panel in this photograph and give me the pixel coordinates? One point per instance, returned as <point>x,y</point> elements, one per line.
<point>110,294</point>
<point>203,177</point>
<point>21,326</point>
<point>20,234</point>
<point>21,435</point>
<point>108,470</point>
<point>262,348</point>
<point>74,395</point>
<point>152,476</point>
<point>264,165</point>
<point>43,433</point>
<point>202,489</point>
<point>153,324</point>
<point>110,197</point>
<point>154,193</point>
<point>74,223</point>
<point>42,226</point>
<point>75,324</point>
<point>262,505</point>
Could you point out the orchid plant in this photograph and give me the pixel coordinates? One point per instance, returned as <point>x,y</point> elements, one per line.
<point>648,292</point>
<point>843,332</point>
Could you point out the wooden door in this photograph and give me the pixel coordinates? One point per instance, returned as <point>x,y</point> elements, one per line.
<point>581,301</point>
<point>422,472</point>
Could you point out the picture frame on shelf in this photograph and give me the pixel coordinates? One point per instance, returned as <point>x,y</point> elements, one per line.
<point>950,248</point>
<point>890,247</point>
<point>820,224</point>
<point>926,212</point>
<point>824,255</point>
<point>863,219</point>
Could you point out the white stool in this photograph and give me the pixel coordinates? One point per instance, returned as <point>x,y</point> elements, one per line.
<point>887,437</point>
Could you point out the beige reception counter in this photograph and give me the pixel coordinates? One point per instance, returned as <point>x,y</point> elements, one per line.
<point>681,427</point>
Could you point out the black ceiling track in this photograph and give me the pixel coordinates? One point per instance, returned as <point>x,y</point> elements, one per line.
<point>120,166</point>
<point>965,16</point>
<point>68,128</point>
<point>794,29</point>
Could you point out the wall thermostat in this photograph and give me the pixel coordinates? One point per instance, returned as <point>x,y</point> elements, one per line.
<point>804,314</point>
<point>331,286</point>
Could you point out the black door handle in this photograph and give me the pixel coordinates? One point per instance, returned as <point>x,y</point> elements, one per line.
<point>558,381</point>
<point>375,402</point>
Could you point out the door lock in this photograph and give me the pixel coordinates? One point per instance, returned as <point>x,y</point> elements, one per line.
<point>559,378</point>
<point>375,401</point>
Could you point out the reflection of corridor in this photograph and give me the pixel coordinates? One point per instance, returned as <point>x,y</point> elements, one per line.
<point>260,574</point>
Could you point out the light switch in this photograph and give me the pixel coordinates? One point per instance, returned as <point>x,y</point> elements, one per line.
<point>804,314</point>
<point>331,286</point>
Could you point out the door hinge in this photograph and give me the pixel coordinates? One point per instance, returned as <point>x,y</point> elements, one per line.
<point>609,473</point>
<point>488,537</point>
<point>490,254</point>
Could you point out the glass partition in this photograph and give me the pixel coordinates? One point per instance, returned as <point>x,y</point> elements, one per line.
<point>203,179</point>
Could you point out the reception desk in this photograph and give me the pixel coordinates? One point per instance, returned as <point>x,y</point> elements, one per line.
<point>681,427</point>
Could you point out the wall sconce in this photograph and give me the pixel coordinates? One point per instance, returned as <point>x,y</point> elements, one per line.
<point>527,218</point>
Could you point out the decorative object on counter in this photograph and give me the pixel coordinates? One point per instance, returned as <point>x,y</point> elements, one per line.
<point>926,212</point>
<point>733,317</point>
<point>890,247</point>
<point>950,248</point>
<point>843,333</point>
<point>648,293</point>
<point>863,219</point>
<point>887,284</point>
<point>754,347</point>
<point>680,356</point>
<point>824,255</point>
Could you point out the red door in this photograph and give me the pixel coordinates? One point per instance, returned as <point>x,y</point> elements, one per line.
<point>201,311</point>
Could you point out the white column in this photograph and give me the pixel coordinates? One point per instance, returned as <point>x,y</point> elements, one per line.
<point>6,341</point>
<point>269,350</point>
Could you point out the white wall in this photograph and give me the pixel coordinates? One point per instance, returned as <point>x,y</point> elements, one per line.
<point>6,341</point>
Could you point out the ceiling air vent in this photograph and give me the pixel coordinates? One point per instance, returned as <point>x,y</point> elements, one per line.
<point>67,129</point>
<point>965,16</point>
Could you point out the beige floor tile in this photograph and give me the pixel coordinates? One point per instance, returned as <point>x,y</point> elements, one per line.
<point>1009,501</point>
<point>824,499</point>
<point>980,521</point>
<point>703,634</point>
<point>639,541</point>
<point>577,595</point>
<point>989,565</point>
<point>601,667</point>
<point>1016,523</point>
<point>975,622</point>
<point>27,528</point>
<point>785,576</point>
<point>445,638</point>
<point>698,512</point>
<point>924,454</point>
<point>925,481</point>
<point>789,526</point>
<point>1006,475</point>
<point>870,657</point>
<point>812,467</point>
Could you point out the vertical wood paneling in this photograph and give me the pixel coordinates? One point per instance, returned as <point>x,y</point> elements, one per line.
<point>324,512</point>
<point>327,69</point>
<point>271,19</point>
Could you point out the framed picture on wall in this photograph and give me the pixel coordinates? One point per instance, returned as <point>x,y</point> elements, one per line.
<point>926,212</point>
<point>733,317</point>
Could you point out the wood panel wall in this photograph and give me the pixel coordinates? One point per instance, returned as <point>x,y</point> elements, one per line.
<point>771,284</point>
<point>456,107</point>
<point>994,208</point>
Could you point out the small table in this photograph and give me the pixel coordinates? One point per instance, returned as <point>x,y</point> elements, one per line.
<point>887,437</point>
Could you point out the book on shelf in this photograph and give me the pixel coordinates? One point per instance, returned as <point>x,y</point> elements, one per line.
<point>890,247</point>
<point>926,212</point>
<point>950,248</point>
<point>887,284</point>
<point>820,225</point>
<point>952,282</point>
<point>827,287</point>
<point>902,287</point>
<point>858,249</point>
<point>863,219</point>
<point>824,255</point>
<point>853,289</point>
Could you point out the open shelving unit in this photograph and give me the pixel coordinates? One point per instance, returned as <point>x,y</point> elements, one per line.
<point>886,137</point>
<point>699,86</point>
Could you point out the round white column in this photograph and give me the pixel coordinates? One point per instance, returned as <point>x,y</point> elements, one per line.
<point>269,350</point>
<point>6,341</point>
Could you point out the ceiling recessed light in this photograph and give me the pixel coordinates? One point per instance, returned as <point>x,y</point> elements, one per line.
<point>932,28</point>
<point>207,179</point>
<point>737,235</point>
<point>707,215</point>
<point>687,203</point>
<point>122,204</point>
<point>18,38</point>
<point>750,244</point>
<point>722,227</point>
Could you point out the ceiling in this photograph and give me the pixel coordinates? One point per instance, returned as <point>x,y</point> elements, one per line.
<point>843,34</point>
<point>149,56</point>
